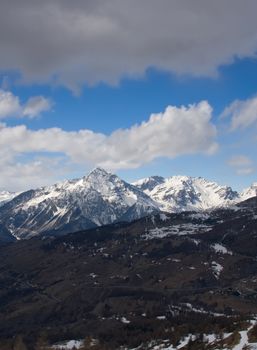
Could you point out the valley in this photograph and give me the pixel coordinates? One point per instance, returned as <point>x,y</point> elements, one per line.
<point>159,278</point>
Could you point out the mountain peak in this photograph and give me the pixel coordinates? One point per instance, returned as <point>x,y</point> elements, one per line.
<point>98,171</point>
<point>249,192</point>
<point>100,198</point>
<point>97,174</point>
<point>180,192</point>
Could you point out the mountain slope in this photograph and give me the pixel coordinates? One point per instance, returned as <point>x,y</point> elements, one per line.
<point>249,192</point>
<point>161,277</point>
<point>97,199</point>
<point>149,183</point>
<point>181,193</point>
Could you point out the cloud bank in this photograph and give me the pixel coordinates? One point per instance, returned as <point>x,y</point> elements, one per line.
<point>87,42</point>
<point>242,164</point>
<point>10,106</point>
<point>175,132</point>
<point>243,114</point>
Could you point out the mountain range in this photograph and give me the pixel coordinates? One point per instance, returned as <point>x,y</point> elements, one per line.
<point>102,198</point>
<point>164,263</point>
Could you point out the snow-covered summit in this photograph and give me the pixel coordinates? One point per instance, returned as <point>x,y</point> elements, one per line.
<point>149,183</point>
<point>99,198</point>
<point>180,193</point>
<point>249,192</point>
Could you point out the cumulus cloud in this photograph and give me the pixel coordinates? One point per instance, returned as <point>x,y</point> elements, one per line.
<point>242,114</point>
<point>73,43</point>
<point>40,170</point>
<point>243,165</point>
<point>10,106</point>
<point>175,132</point>
<point>240,161</point>
<point>245,171</point>
<point>35,106</point>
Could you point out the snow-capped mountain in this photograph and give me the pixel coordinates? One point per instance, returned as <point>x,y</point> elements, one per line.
<point>249,192</point>
<point>181,193</point>
<point>97,199</point>
<point>149,183</point>
<point>6,196</point>
<point>102,198</point>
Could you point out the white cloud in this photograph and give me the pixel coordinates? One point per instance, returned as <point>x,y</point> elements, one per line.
<point>73,43</point>
<point>242,114</point>
<point>35,106</point>
<point>19,176</point>
<point>245,171</point>
<point>175,132</point>
<point>243,165</point>
<point>240,161</point>
<point>10,106</point>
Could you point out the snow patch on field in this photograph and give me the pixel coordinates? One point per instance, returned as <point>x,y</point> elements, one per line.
<point>179,230</point>
<point>200,216</point>
<point>212,340</point>
<point>219,248</point>
<point>69,345</point>
<point>216,268</point>
<point>161,318</point>
<point>163,217</point>
<point>125,320</point>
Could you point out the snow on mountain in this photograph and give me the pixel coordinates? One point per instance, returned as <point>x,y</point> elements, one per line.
<point>99,198</point>
<point>6,196</point>
<point>149,183</point>
<point>181,193</point>
<point>249,192</point>
<point>102,198</point>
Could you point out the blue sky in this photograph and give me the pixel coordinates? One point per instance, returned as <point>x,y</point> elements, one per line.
<point>120,90</point>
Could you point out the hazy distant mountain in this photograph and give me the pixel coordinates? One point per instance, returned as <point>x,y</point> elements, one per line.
<point>6,196</point>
